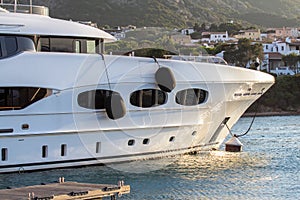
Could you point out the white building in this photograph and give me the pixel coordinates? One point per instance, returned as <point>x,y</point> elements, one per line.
<point>283,48</point>
<point>187,31</point>
<point>274,52</point>
<point>117,32</point>
<point>215,37</point>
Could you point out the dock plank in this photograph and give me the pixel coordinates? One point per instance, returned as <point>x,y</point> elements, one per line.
<point>64,191</point>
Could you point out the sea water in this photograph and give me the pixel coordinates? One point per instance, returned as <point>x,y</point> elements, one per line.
<point>268,168</point>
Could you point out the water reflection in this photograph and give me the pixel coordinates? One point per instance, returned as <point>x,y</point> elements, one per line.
<point>210,164</point>
<point>267,169</point>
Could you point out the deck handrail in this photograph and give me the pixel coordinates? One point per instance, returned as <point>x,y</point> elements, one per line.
<point>24,8</point>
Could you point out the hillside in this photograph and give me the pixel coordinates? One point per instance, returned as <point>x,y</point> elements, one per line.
<point>283,97</point>
<point>177,13</point>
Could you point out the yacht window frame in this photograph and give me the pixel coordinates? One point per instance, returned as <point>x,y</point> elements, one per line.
<point>94,99</point>
<point>20,46</point>
<point>157,97</point>
<point>199,95</point>
<point>18,98</point>
<point>83,44</point>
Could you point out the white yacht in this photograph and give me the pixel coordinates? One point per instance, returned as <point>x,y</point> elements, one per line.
<point>63,103</point>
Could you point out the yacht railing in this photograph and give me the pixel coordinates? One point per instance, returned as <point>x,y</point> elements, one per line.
<point>205,59</point>
<point>28,8</point>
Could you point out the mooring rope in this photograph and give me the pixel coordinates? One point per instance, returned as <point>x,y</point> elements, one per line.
<point>106,72</point>
<point>250,126</point>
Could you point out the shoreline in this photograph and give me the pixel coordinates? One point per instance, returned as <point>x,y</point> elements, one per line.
<point>267,114</point>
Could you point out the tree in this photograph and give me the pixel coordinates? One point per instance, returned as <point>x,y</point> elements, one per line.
<point>203,27</point>
<point>230,55</point>
<point>291,60</point>
<point>213,28</point>
<point>196,27</point>
<point>165,43</point>
<point>231,28</point>
<point>196,35</point>
<point>257,52</point>
<point>243,53</point>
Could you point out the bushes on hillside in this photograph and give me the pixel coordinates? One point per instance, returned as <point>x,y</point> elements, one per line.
<point>283,96</point>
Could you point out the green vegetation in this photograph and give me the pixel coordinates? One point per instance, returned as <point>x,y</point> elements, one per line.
<point>291,60</point>
<point>180,14</point>
<point>269,20</point>
<point>150,37</point>
<point>244,52</point>
<point>159,38</point>
<point>151,52</point>
<point>156,38</point>
<point>283,96</point>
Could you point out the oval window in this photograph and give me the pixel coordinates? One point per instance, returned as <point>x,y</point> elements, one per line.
<point>191,97</point>
<point>147,98</point>
<point>94,99</point>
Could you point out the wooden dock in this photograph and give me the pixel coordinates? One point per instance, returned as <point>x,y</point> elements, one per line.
<point>65,190</point>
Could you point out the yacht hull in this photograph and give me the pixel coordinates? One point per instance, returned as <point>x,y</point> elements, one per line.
<point>60,133</point>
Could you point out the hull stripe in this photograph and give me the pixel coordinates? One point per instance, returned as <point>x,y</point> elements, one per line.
<point>99,158</point>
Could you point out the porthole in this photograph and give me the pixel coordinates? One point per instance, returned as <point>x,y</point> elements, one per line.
<point>131,142</point>
<point>44,151</point>
<point>146,141</point>
<point>63,150</point>
<point>25,126</point>
<point>94,99</point>
<point>4,154</point>
<point>172,139</point>
<point>238,94</point>
<point>147,98</point>
<point>191,97</point>
<point>98,147</point>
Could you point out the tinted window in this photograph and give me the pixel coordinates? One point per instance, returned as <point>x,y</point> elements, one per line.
<point>15,98</point>
<point>94,99</point>
<point>25,44</point>
<point>44,44</point>
<point>11,45</point>
<point>191,97</point>
<point>70,45</point>
<point>61,45</point>
<point>148,98</point>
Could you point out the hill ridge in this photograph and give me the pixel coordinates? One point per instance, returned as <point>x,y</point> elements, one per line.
<point>177,13</point>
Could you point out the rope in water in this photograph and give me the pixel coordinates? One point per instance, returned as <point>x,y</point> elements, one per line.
<point>250,126</point>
